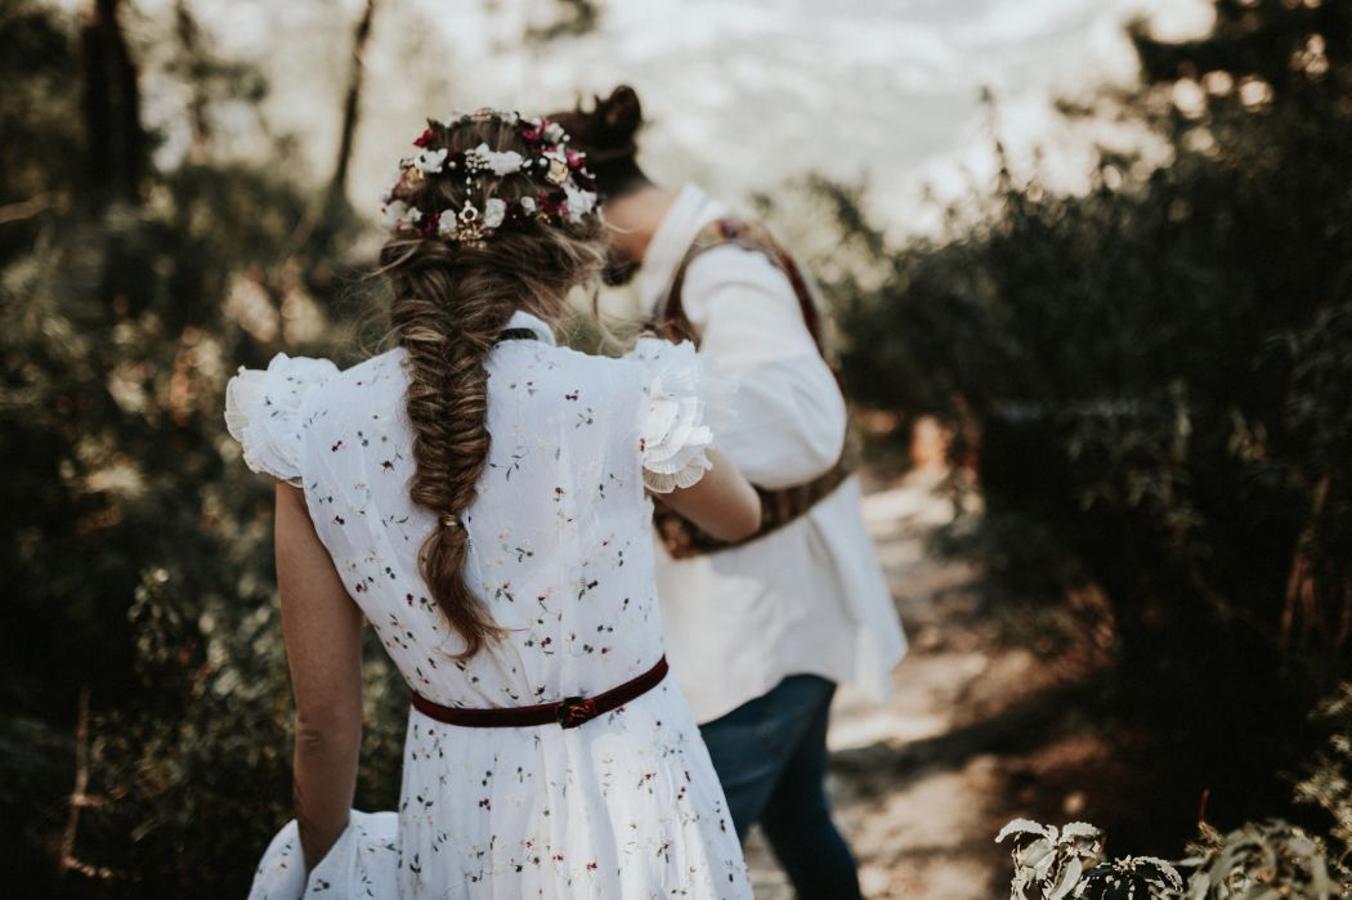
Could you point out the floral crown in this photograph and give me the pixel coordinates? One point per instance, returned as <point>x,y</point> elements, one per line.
<point>566,194</point>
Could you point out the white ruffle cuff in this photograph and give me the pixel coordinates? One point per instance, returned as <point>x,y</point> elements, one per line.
<point>682,404</point>
<point>364,862</point>
<point>263,411</point>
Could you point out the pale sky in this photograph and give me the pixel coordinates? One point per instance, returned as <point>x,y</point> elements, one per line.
<point>741,94</point>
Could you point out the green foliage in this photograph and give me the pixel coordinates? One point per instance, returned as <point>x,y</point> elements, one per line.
<point>1048,861</point>
<point>139,549</point>
<point>1270,858</point>
<point>1329,780</point>
<point>1155,383</point>
<point>1259,860</point>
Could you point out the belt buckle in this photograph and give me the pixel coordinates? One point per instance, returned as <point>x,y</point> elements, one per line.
<point>574,711</point>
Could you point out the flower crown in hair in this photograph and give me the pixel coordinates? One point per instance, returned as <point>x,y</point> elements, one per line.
<point>566,194</point>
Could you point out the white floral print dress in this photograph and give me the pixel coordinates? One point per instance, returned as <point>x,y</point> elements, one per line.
<point>561,551</point>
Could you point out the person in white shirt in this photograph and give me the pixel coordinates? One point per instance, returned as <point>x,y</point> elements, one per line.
<point>759,632</point>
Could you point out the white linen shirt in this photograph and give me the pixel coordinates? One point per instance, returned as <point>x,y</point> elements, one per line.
<point>810,598</point>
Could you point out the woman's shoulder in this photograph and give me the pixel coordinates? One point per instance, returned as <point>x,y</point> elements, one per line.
<point>563,366</point>
<point>373,376</point>
<point>652,364</point>
<point>268,411</point>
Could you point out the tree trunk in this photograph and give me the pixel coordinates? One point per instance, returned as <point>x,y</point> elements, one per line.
<point>112,106</point>
<point>189,36</point>
<point>351,107</point>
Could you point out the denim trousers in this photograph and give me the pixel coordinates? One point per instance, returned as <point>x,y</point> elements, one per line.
<point>770,755</point>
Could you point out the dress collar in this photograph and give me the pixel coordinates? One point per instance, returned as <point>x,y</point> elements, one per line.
<point>534,324</point>
<point>690,211</point>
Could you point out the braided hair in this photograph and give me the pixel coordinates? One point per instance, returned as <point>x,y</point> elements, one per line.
<point>450,302</point>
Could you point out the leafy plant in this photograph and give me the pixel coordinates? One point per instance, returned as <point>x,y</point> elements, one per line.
<point>1130,878</point>
<point>1328,783</point>
<point>1049,862</point>
<point>1263,861</point>
<point>1260,860</point>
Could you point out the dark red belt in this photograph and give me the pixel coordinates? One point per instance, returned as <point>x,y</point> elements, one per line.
<point>569,712</point>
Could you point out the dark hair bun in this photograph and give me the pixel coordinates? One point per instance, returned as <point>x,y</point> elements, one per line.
<point>606,134</point>
<point>620,115</point>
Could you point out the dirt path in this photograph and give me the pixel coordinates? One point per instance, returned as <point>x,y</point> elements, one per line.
<point>917,789</point>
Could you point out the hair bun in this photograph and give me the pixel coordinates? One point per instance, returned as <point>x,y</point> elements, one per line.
<point>621,114</point>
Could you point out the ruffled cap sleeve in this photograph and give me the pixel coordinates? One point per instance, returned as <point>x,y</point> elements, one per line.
<point>263,412</point>
<point>681,403</point>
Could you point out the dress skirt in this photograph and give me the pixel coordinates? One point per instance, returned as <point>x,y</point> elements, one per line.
<point>625,806</point>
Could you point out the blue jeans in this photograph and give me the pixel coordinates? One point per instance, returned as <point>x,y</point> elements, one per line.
<point>770,755</point>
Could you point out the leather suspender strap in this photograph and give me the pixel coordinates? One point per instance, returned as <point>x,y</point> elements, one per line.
<point>570,712</point>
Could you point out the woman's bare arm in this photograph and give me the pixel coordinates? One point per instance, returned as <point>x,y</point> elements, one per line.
<point>722,503</point>
<point>322,629</point>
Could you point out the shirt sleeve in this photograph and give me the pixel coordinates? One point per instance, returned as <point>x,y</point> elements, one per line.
<point>789,419</point>
<point>263,412</point>
<point>674,433</point>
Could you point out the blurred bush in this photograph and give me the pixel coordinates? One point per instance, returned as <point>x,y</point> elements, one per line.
<point>145,729</point>
<point>1328,781</point>
<point>143,672</point>
<point>1152,384</point>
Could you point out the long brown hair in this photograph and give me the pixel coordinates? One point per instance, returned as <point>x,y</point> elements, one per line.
<point>450,302</point>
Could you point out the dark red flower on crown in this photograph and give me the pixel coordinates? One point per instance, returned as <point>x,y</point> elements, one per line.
<point>425,138</point>
<point>553,202</point>
<point>537,134</point>
<point>584,180</point>
<point>575,160</point>
<point>427,225</point>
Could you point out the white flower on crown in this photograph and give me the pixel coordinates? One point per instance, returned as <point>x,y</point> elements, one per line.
<point>431,162</point>
<point>447,225</point>
<point>554,132</point>
<point>388,194</point>
<point>414,216</point>
<point>495,211</point>
<point>504,163</point>
<point>392,214</point>
<point>528,204</point>
<point>580,203</point>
